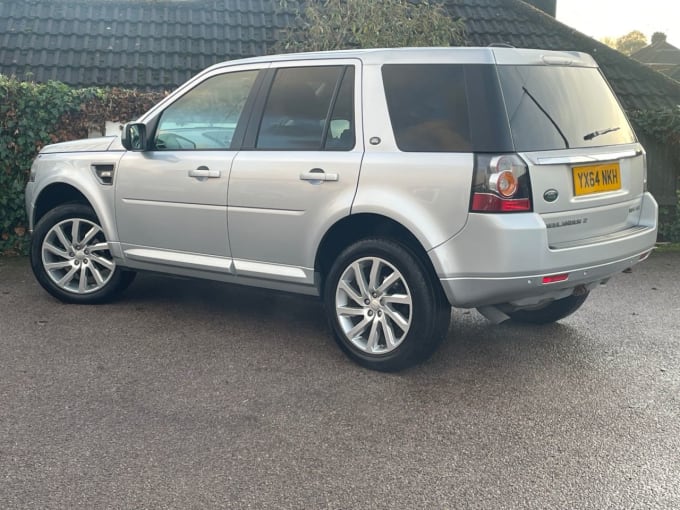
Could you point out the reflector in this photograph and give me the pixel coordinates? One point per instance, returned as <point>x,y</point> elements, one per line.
<point>555,278</point>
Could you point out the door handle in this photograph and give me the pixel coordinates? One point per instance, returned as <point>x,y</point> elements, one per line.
<point>205,173</point>
<point>317,175</point>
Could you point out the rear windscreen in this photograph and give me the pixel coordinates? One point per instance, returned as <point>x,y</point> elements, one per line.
<point>552,107</point>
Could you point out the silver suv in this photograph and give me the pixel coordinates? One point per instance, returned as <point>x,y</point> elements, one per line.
<point>393,183</point>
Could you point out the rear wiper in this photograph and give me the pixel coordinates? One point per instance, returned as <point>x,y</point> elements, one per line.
<point>547,116</point>
<point>595,134</point>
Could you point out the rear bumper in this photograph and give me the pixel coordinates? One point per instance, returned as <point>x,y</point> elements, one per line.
<point>502,259</point>
<point>521,291</point>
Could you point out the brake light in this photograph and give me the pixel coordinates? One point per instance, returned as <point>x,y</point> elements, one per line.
<point>500,184</point>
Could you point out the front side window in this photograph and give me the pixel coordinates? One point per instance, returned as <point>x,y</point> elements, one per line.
<point>206,117</point>
<point>309,108</point>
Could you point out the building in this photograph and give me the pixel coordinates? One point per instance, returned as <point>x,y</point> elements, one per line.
<point>660,56</point>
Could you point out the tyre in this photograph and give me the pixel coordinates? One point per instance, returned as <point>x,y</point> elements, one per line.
<point>386,310</point>
<point>552,312</point>
<point>70,257</point>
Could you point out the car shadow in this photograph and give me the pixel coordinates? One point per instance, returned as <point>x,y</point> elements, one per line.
<point>473,347</point>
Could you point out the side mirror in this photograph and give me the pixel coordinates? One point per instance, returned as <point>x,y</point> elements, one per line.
<point>134,137</point>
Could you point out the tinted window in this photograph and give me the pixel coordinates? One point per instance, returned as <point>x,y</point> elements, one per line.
<point>297,112</point>
<point>428,107</point>
<point>552,107</point>
<point>207,115</point>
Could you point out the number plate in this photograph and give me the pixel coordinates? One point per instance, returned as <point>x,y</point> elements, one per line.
<point>596,178</point>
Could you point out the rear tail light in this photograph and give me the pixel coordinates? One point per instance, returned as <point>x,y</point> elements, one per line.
<point>500,184</point>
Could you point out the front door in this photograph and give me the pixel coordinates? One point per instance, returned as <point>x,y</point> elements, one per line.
<point>171,201</point>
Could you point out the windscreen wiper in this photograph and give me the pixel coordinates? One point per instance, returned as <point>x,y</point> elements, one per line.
<point>595,134</point>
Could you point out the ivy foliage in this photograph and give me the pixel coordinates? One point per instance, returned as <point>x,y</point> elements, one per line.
<point>669,222</point>
<point>346,24</point>
<point>34,115</point>
<point>664,125</point>
<point>29,119</point>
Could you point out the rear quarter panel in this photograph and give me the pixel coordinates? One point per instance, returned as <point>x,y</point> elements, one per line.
<point>428,193</point>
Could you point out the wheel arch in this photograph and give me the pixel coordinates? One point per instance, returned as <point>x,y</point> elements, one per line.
<point>59,192</point>
<point>359,226</point>
<point>54,195</point>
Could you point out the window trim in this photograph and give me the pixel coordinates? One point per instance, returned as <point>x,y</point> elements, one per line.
<point>331,109</point>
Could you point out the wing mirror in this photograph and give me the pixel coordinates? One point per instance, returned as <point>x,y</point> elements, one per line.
<point>134,137</point>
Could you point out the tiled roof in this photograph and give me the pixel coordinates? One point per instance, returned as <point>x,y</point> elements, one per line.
<point>161,44</point>
<point>660,52</point>
<point>128,43</point>
<point>675,73</point>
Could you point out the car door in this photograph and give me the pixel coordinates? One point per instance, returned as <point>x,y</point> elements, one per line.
<point>298,170</point>
<point>171,200</point>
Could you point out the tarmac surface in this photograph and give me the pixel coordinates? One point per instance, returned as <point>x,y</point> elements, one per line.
<point>193,394</point>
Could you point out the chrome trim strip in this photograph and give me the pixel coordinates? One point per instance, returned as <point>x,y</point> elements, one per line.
<point>182,259</point>
<point>571,160</point>
<point>250,268</point>
<point>262,210</point>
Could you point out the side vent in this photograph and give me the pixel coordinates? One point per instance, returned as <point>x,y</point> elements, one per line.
<point>104,174</point>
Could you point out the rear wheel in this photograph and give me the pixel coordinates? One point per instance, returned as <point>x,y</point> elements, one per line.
<point>386,311</point>
<point>552,312</point>
<point>70,257</point>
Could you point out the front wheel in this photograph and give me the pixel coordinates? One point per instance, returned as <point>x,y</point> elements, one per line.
<point>552,312</point>
<point>386,310</point>
<point>70,257</point>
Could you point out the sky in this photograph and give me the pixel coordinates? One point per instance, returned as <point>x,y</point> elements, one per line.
<point>614,18</point>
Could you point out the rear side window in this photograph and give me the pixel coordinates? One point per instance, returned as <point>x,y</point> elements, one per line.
<point>551,107</point>
<point>428,107</point>
<point>309,108</point>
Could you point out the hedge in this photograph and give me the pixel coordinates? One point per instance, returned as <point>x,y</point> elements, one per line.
<point>33,115</point>
<point>664,126</point>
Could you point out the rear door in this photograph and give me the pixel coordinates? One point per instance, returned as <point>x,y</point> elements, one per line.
<point>298,170</point>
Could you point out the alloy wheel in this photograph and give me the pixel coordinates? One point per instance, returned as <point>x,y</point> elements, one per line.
<point>373,305</point>
<point>76,256</point>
